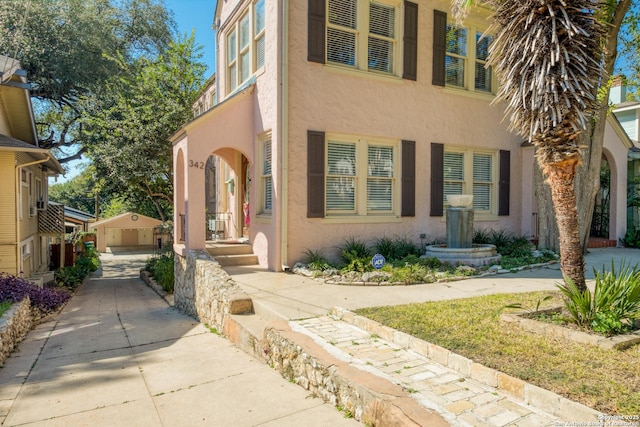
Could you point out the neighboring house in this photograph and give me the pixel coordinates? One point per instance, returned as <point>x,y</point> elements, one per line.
<point>628,115</point>
<point>348,118</point>
<point>207,99</point>
<point>127,229</point>
<point>27,225</point>
<point>75,220</point>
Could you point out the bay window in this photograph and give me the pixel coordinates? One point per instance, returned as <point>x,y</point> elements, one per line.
<point>246,46</point>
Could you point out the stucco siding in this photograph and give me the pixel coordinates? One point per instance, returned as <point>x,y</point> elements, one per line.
<point>334,99</point>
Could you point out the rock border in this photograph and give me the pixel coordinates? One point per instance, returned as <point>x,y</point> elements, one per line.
<point>15,324</point>
<point>148,279</point>
<point>616,342</point>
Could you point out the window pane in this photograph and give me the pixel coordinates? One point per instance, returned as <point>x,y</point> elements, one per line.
<point>455,71</point>
<point>482,197</point>
<point>244,32</point>
<point>453,166</point>
<point>380,55</point>
<point>341,47</point>
<point>232,77</point>
<point>379,195</point>
<point>231,46</point>
<point>343,13</point>
<point>456,40</point>
<point>268,193</point>
<point>482,46</point>
<point>340,185</point>
<point>380,161</point>
<point>382,20</point>
<point>259,16</point>
<point>379,183</point>
<point>266,165</point>
<point>260,52</point>
<point>483,77</point>
<point>482,170</point>
<point>245,66</point>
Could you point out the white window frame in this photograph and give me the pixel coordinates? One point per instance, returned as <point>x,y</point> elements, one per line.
<point>362,177</point>
<point>468,179</point>
<point>362,34</point>
<point>470,59</point>
<point>266,177</point>
<point>234,66</point>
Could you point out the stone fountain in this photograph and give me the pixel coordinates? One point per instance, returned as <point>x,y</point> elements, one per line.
<point>459,248</point>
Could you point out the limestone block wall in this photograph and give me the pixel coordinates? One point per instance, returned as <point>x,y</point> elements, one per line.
<point>205,291</point>
<point>14,326</point>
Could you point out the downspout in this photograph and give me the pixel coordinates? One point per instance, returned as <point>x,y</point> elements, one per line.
<point>18,183</point>
<point>284,138</point>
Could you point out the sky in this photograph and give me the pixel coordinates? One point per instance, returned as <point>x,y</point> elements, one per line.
<point>197,15</point>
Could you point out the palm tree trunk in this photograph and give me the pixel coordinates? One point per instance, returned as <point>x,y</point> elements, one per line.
<point>561,177</point>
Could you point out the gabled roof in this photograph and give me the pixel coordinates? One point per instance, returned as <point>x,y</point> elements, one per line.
<point>123,217</point>
<point>14,92</point>
<point>73,213</point>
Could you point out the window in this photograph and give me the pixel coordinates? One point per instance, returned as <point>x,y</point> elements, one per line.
<point>266,177</point>
<point>246,46</point>
<point>360,176</point>
<point>363,34</point>
<point>460,56</point>
<point>465,62</point>
<point>470,172</point>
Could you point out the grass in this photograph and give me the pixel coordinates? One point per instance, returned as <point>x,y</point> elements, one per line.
<point>606,380</point>
<point>4,306</point>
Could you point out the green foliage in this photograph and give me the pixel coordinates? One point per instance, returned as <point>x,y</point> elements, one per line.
<point>632,238</point>
<point>316,260</point>
<point>4,306</point>
<point>355,256</point>
<point>614,304</point>
<point>395,249</point>
<point>86,263</point>
<point>161,268</point>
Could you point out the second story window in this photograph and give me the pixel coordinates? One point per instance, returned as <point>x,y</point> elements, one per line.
<point>466,59</point>
<point>363,34</point>
<point>460,56</point>
<point>246,46</point>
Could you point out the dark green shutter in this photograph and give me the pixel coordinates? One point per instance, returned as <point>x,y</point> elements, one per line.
<point>315,174</point>
<point>410,68</point>
<point>408,178</point>
<point>504,185</point>
<point>439,47</point>
<point>316,31</point>
<point>437,179</point>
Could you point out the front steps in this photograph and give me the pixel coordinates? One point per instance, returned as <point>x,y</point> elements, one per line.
<point>232,254</point>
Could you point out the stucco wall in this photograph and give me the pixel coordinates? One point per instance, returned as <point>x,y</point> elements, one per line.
<point>333,99</point>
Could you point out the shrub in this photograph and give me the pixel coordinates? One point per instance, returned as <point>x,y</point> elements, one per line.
<point>355,256</point>
<point>45,300</point>
<point>316,260</point>
<point>161,268</point>
<point>72,276</point>
<point>395,249</point>
<point>614,304</point>
<point>632,238</point>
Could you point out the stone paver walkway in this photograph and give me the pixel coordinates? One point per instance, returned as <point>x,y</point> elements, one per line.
<point>461,401</point>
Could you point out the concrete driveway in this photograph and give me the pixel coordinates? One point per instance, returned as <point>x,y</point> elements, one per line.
<point>118,355</point>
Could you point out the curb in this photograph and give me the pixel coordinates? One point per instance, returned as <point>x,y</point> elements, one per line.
<point>528,394</point>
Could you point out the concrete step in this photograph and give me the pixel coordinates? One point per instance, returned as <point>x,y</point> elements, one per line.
<point>217,249</point>
<point>243,259</point>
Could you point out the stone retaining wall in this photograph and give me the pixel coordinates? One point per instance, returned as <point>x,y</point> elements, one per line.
<point>202,289</point>
<point>14,326</point>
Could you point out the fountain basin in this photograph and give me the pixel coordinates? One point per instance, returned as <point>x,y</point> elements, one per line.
<point>460,200</point>
<point>475,256</point>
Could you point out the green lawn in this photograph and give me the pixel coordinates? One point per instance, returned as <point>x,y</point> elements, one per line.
<point>606,380</point>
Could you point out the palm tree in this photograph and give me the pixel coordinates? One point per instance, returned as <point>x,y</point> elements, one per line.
<point>546,55</point>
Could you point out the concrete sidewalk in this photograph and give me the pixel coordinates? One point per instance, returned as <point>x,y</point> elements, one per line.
<point>118,355</point>
<point>461,391</point>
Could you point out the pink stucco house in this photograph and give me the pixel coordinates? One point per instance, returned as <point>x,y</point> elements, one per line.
<point>340,118</point>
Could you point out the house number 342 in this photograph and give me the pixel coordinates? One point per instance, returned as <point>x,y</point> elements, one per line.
<point>195,164</point>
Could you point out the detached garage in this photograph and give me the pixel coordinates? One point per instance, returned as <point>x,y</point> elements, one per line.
<point>127,229</point>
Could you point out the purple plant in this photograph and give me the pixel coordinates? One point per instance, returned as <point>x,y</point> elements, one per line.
<point>14,289</point>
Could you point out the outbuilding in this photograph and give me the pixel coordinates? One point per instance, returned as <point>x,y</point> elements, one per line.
<point>127,229</point>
